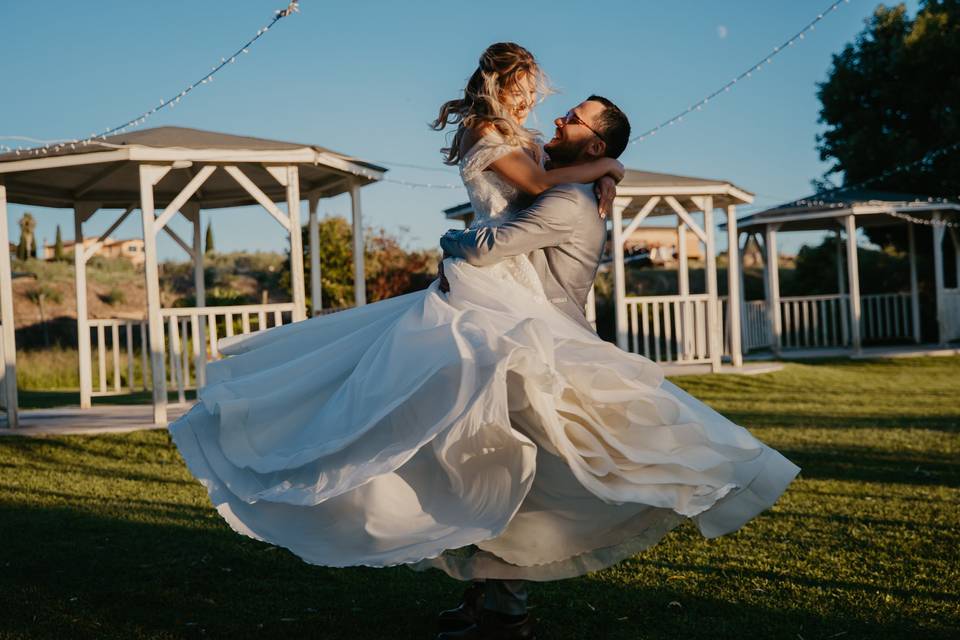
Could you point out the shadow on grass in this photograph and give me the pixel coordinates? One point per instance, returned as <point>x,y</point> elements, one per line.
<point>134,570</point>
<point>864,464</point>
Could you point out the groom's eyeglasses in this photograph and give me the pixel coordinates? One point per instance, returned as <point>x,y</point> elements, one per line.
<point>572,118</point>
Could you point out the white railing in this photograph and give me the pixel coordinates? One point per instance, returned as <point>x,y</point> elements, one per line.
<point>824,320</point>
<point>885,316</point>
<point>951,314</point>
<point>669,328</point>
<point>122,339</point>
<point>814,321</point>
<point>190,342</point>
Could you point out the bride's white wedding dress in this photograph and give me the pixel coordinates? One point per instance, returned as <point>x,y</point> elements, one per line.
<point>481,432</point>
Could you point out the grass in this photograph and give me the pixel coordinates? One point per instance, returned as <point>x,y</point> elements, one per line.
<point>110,537</point>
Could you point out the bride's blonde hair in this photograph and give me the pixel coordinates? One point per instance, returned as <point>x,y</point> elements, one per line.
<point>501,68</point>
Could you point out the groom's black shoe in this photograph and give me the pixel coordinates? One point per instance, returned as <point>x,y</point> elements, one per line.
<point>495,626</point>
<point>467,613</point>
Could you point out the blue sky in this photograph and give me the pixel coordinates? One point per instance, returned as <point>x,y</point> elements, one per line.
<point>364,77</point>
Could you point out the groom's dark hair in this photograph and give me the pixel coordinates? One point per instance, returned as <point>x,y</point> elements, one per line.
<point>613,125</point>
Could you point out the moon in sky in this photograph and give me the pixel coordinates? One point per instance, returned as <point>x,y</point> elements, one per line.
<point>721,31</point>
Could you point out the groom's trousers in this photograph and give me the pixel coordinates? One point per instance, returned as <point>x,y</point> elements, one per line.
<point>505,596</point>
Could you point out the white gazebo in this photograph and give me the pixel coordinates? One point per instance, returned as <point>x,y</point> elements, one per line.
<point>841,322</point>
<point>683,328</point>
<point>162,172</point>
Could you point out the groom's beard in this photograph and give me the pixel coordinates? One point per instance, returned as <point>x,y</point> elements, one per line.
<point>562,154</point>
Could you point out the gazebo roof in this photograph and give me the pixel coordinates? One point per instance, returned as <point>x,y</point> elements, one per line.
<point>637,184</point>
<point>871,208</point>
<point>106,171</point>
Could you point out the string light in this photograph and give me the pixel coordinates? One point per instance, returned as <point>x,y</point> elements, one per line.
<point>164,103</point>
<point>767,59</point>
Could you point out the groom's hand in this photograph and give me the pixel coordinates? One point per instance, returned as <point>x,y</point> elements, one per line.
<point>444,285</point>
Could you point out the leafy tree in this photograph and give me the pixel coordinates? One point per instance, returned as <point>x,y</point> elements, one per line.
<point>208,240</point>
<point>58,253</point>
<point>25,248</point>
<point>890,97</point>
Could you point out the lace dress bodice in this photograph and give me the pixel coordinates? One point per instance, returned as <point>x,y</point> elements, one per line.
<point>494,201</point>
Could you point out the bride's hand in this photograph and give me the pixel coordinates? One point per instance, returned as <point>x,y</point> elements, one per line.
<point>614,169</point>
<point>605,189</point>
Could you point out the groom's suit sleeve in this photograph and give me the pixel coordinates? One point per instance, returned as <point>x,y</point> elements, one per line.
<point>548,222</point>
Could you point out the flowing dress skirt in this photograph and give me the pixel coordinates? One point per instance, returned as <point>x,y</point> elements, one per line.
<point>478,432</point>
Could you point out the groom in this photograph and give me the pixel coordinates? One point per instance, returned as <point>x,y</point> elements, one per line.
<point>563,235</point>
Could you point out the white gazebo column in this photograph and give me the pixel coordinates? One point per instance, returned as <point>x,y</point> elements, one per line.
<point>82,211</point>
<point>938,234</point>
<point>914,289</point>
<point>683,288</point>
<point>619,273</point>
<point>359,278</point>
<point>150,175</point>
<point>772,282</point>
<point>733,286</point>
<point>192,210</point>
<point>8,340</point>
<point>316,295</point>
<point>296,244</point>
<point>841,281</point>
<point>714,335</point>
<point>853,275</point>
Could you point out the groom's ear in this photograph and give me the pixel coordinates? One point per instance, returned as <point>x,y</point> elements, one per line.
<point>596,148</point>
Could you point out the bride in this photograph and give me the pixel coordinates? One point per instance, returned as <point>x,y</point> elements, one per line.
<point>483,432</point>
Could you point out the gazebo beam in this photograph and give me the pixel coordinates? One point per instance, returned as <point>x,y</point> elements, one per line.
<point>8,339</point>
<point>714,336</point>
<point>97,179</point>
<point>733,286</point>
<point>685,216</point>
<point>938,235</point>
<point>149,176</point>
<point>853,275</point>
<point>192,212</point>
<point>296,244</point>
<point>359,278</point>
<point>89,252</point>
<point>181,198</point>
<point>619,274</point>
<point>316,294</point>
<point>258,195</point>
<point>82,211</point>
<point>772,271</point>
<point>914,289</point>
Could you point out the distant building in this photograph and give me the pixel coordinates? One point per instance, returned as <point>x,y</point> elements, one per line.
<point>130,248</point>
<point>661,243</point>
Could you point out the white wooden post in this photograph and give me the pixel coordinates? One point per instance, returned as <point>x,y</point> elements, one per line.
<point>683,288</point>
<point>914,289</point>
<point>853,276</point>
<point>359,278</point>
<point>841,280</point>
<point>714,337</point>
<point>149,176</point>
<point>296,244</point>
<point>619,274</point>
<point>199,334</point>
<point>81,212</point>
<point>772,264</point>
<point>316,292</point>
<point>9,341</point>
<point>938,234</point>
<point>733,286</point>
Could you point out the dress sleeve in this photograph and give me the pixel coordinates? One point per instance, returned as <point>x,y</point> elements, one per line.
<point>485,151</point>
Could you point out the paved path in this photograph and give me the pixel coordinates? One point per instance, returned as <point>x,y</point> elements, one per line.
<point>98,419</point>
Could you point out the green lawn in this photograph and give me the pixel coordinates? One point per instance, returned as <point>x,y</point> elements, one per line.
<point>110,537</point>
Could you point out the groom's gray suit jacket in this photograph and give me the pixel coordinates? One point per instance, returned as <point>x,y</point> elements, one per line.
<point>561,233</point>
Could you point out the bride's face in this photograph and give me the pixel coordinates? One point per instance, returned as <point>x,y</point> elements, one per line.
<point>519,98</point>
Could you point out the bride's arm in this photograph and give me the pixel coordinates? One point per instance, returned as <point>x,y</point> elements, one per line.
<point>520,170</point>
